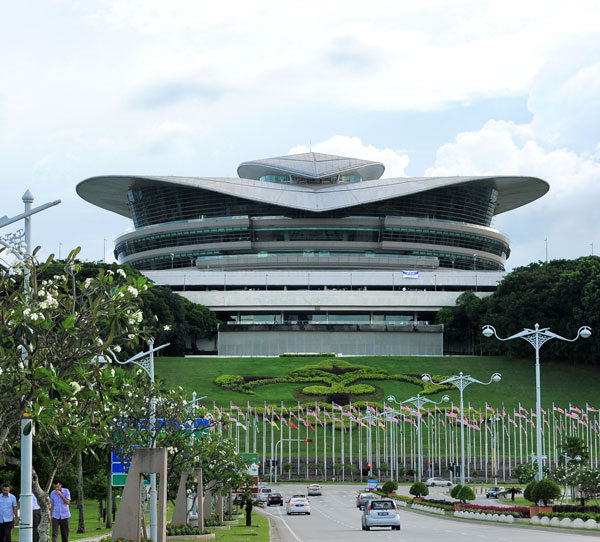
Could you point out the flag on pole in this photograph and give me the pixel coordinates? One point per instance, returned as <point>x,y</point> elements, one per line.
<point>293,425</point>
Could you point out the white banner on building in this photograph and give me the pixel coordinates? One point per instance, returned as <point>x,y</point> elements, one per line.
<point>410,274</point>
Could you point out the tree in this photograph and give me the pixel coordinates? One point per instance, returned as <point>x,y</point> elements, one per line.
<point>545,490</point>
<point>50,330</point>
<point>573,447</point>
<point>524,472</point>
<point>512,491</point>
<point>248,501</point>
<point>588,480</point>
<point>466,494</point>
<point>389,487</point>
<point>419,489</point>
<point>528,493</point>
<point>455,491</point>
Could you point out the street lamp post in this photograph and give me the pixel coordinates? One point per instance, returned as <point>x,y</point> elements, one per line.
<point>13,242</point>
<point>567,460</point>
<point>461,382</point>
<point>418,402</point>
<point>280,441</point>
<point>145,360</point>
<point>536,338</point>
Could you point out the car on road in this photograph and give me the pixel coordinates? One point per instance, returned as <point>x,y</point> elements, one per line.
<point>298,506</point>
<point>495,492</point>
<point>275,498</point>
<point>381,513</point>
<point>363,499</point>
<point>436,481</point>
<point>263,494</point>
<point>314,489</point>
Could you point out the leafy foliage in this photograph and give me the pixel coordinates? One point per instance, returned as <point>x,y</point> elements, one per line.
<point>455,491</point>
<point>466,494</point>
<point>528,492</point>
<point>419,489</point>
<point>389,487</point>
<point>546,490</point>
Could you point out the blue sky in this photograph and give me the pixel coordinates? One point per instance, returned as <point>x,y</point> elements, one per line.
<point>194,88</point>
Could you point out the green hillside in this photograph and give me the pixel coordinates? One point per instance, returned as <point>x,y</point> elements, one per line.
<point>561,384</point>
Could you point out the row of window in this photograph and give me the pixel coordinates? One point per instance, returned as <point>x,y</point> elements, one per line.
<point>163,204</point>
<point>217,258</point>
<point>221,236</point>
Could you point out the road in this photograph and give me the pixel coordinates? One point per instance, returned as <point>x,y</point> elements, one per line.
<point>334,516</point>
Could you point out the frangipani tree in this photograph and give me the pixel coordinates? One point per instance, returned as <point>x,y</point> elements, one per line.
<point>50,331</point>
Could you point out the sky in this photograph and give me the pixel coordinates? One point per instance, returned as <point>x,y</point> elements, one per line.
<point>193,88</point>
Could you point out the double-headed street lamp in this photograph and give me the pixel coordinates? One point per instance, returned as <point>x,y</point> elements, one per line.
<point>567,459</point>
<point>461,382</point>
<point>418,402</point>
<point>536,338</point>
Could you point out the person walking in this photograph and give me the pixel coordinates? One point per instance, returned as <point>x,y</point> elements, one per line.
<point>60,499</point>
<point>8,512</point>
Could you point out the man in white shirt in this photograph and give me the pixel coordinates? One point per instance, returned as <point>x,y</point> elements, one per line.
<point>8,512</point>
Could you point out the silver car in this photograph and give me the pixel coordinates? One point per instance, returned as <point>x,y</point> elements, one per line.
<point>362,499</point>
<point>381,513</point>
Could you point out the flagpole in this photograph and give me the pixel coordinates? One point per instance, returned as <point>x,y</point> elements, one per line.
<point>333,461</point>
<point>351,425</point>
<point>317,419</point>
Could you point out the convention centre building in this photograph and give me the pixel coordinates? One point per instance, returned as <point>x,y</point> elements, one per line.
<point>317,253</point>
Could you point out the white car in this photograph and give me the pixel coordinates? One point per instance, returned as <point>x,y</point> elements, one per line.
<point>381,513</point>
<point>298,506</point>
<point>263,494</point>
<point>431,482</point>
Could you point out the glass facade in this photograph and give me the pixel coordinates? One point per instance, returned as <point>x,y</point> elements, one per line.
<point>166,204</point>
<point>469,205</point>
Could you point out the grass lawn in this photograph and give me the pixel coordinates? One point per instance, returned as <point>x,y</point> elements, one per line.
<point>561,384</point>
<point>259,532</point>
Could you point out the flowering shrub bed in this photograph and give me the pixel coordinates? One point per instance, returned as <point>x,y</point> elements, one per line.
<point>515,511</point>
<point>178,530</point>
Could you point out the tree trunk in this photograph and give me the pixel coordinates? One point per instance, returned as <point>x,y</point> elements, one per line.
<point>249,515</point>
<point>43,499</point>
<point>80,504</point>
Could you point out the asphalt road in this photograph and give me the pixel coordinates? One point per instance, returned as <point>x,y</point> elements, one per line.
<point>334,517</point>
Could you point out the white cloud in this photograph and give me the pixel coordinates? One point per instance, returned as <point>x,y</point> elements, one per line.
<point>567,216</point>
<point>395,162</point>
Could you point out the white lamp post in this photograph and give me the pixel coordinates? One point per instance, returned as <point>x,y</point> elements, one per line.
<point>418,402</point>
<point>461,382</point>
<point>536,338</point>
<point>145,360</point>
<point>567,459</point>
<point>13,242</point>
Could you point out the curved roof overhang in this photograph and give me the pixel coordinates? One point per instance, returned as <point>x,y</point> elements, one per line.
<point>110,192</point>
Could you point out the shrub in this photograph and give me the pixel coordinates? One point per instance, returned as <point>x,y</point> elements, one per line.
<point>546,490</point>
<point>455,490</point>
<point>389,487</point>
<point>229,382</point>
<point>528,491</point>
<point>419,489</point>
<point>466,494</point>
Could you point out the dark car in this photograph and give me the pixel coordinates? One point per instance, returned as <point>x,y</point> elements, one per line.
<point>275,498</point>
<point>495,492</point>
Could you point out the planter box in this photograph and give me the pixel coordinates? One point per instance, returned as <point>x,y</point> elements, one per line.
<point>418,499</point>
<point>458,506</point>
<point>535,510</point>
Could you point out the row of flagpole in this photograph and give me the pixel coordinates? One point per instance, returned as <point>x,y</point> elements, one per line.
<point>332,441</point>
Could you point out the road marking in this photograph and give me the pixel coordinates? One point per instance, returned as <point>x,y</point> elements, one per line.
<point>285,523</point>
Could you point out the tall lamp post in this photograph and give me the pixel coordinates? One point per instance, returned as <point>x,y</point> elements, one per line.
<point>567,460</point>
<point>418,402</point>
<point>145,360</point>
<point>461,382</point>
<point>536,338</point>
<point>13,242</point>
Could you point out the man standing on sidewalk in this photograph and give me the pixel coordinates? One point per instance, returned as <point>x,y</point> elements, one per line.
<point>60,499</point>
<point>8,512</point>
